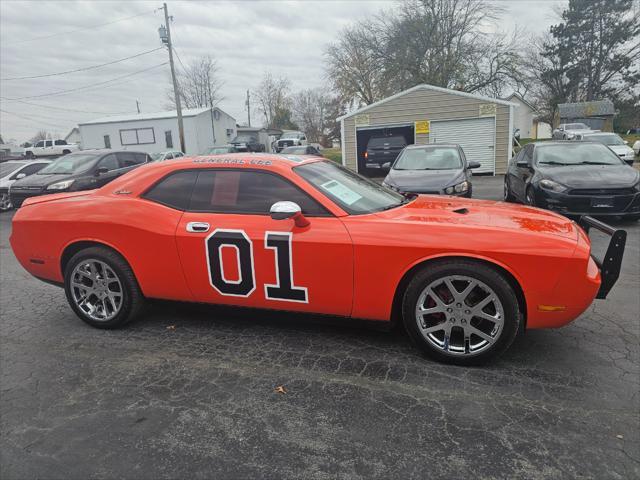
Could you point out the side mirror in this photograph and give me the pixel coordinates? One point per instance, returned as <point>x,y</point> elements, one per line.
<point>626,142</point>
<point>20,175</point>
<point>101,171</point>
<point>474,165</point>
<point>285,210</point>
<point>522,164</point>
<point>629,162</point>
<point>386,165</point>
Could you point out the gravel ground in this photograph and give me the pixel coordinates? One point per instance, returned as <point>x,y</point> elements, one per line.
<point>189,392</point>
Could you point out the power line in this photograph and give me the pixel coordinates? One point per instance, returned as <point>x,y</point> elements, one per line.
<point>148,12</point>
<point>93,85</point>
<point>84,68</point>
<point>31,120</point>
<point>62,108</point>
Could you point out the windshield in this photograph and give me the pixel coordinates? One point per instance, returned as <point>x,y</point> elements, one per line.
<point>8,167</point>
<point>386,142</point>
<point>290,135</point>
<point>219,150</point>
<point>430,158</point>
<point>605,138</point>
<point>354,193</point>
<point>69,164</point>
<point>576,126</point>
<point>576,154</point>
<point>295,150</point>
<point>244,138</point>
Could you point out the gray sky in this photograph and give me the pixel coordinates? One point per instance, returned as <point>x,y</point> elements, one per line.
<point>246,37</point>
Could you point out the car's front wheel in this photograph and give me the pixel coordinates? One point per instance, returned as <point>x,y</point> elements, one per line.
<point>101,288</point>
<point>5,202</point>
<point>461,312</point>
<point>507,196</point>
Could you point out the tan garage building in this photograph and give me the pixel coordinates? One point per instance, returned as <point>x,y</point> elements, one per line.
<point>426,114</point>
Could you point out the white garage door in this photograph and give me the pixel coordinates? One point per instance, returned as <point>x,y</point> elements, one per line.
<point>476,136</point>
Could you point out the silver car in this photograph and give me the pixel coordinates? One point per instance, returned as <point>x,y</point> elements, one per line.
<point>567,131</point>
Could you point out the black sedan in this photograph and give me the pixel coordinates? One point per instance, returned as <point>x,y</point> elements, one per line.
<point>84,170</point>
<point>434,168</point>
<point>574,178</point>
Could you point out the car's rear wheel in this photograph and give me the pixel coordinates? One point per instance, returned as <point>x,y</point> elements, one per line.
<point>66,152</point>
<point>461,312</point>
<point>5,202</point>
<point>30,155</point>
<point>101,288</point>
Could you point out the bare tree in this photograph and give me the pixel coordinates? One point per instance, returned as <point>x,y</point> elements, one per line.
<point>40,135</point>
<point>311,108</point>
<point>273,99</point>
<point>439,42</point>
<point>199,84</point>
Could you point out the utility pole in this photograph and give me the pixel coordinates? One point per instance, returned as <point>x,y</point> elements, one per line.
<point>165,36</point>
<point>248,107</point>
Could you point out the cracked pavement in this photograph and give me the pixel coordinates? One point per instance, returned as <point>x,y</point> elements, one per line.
<point>199,400</point>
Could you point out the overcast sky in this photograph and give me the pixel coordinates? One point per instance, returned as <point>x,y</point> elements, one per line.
<point>246,37</point>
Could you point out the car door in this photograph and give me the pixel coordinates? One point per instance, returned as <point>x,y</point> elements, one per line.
<point>38,148</point>
<point>233,252</point>
<point>106,170</point>
<point>523,171</point>
<point>48,147</point>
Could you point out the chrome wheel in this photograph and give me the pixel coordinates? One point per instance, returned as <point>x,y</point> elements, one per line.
<point>506,192</point>
<point>459,315</point>
<point>5,202</point>
<point>96,290</point>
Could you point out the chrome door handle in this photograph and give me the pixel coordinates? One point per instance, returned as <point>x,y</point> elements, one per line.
<point>197,227</point>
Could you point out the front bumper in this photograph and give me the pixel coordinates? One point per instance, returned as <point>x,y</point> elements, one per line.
<point>18,196</point>
<point>611,263</point>
<point>597,202</point>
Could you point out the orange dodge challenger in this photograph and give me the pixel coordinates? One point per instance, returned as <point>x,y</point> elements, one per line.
<point>306,235</point>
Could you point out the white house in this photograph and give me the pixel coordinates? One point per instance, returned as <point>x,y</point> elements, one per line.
<point>158,132</point>
<point>526,119</point>
<point>74,136</point>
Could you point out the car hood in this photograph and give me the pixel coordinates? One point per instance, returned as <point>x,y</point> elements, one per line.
<point>621,149</point>
<point>592,176</point>
<point>423,180</point>
<point>38,180</point>
<point>449,210</point>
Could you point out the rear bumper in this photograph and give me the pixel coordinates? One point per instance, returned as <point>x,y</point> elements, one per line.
<point>599,205</point>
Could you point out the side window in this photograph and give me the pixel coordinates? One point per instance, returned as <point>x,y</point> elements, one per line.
<point>48,143</point>
<point>178,154</point>
<point>248,192</point>
<point>60,142</point>
<point>528,154</point>
<point>33,168</point>
<point>110,162</point>
<point>174,191</point>
<point>39,144</point>
<point>129,159</point>
<point>168,139</point>
<point>107,141</point>
<point>168,156</point>
<point>141,158</point>
<point>517,158</point>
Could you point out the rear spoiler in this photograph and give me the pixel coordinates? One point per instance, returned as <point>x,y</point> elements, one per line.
<point>611,263</point>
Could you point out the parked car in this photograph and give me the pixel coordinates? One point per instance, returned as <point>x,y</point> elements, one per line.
<point>49,148</point>
<point>611,140</point>
<point>246,142</point>
<point>170,155</point>
<point>574,178</point>
<point>220,150</point>
<point>303,150</point>
<point>434,168</point>
<point>566,131</point>
<point>381,152</point>
<point>84,170</point>
<point>12,171</point>
<point>290,139</point>
<point>313,237</point>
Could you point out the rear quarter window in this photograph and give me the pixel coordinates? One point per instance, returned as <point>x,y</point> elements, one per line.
<point>174,190</point>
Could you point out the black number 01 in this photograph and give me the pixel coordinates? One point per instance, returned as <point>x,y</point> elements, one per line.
<point>280,242</point>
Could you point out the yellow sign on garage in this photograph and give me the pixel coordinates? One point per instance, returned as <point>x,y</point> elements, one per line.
<point>422,126</point>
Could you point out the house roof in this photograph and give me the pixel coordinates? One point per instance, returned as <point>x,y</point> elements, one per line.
<point>186,112</point>
<point>425,86</point>
<point>586,109</point>
<point>521,99</point>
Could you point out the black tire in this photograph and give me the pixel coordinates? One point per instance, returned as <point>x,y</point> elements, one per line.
<point>132,298</point>
<point>66,152</point>
<point>512,321</point>
<point>30,155</point>
<point>530,197</point>
<point>508,196</point>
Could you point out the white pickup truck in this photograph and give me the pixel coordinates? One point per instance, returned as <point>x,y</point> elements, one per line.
<point>46,148</point>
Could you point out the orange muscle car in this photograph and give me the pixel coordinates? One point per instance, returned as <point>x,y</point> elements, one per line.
<point>303,234</point>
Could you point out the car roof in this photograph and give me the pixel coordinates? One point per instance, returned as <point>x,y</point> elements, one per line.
<point>102,151</point>
<point>414,146</point>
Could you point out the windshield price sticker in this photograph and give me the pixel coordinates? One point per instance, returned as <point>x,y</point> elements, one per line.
<point>341,191</point>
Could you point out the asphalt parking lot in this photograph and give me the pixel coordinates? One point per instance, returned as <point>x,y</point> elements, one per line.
<point>191,393</point>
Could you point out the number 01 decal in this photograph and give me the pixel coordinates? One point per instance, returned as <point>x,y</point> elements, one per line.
<point>280,242</point>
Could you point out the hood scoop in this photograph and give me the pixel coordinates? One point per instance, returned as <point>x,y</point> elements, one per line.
<point>461,211</point>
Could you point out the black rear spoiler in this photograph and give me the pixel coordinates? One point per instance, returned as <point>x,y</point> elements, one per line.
<point>611,263</point>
